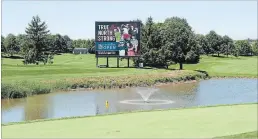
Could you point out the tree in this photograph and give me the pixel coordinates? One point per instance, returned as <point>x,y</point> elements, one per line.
<point>68,43</point>
<point>50,43</point>
<point>21,40</point>
<point>215,42</point>
<point>203,42</point>
<point>227,45</point>
<point>179,40</point>
<point>244,48</point>
<point>152,53</point>
<point>3,50</point>
<point>37,33</point>
<point>59,44</point>
<point>255,48</point>
<point>11,44</point>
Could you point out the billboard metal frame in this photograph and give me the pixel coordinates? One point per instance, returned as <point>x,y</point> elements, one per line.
<point>114,56</point>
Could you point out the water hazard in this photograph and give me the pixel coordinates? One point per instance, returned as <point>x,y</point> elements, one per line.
<point>90,103</point>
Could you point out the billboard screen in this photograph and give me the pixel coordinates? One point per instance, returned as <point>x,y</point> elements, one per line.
<point>117,38</point>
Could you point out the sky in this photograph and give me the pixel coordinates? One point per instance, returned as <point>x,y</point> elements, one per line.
<point>237,19</point>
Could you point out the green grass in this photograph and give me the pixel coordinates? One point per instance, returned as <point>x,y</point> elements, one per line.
<point>77,66</point>
<point>66,66</point>
<point>207,122</point>
<point>79,71</point>
<point>229,67</point>
<point>248,135</point>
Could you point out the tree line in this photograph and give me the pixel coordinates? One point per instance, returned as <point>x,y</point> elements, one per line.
<point>170,42</point>
<point>57,43</point>
<point>38,45</point>
<point>174,41</point>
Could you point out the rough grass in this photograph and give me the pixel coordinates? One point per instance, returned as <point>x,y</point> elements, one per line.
<point>207,122</point>
<point>29,88</point>
<point>226,66</point>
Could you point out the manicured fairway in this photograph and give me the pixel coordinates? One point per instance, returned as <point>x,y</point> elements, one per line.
<point>206,122</point>
<point>78,66</point>
<point>66,66</point>
<point>226,66</point>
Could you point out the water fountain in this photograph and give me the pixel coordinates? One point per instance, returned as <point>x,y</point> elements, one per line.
<point>146,93</point>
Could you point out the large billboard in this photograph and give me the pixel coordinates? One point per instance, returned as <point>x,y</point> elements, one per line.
<point>117,39</point>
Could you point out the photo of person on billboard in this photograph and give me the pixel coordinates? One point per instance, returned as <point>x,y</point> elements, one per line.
<point>134,43</point>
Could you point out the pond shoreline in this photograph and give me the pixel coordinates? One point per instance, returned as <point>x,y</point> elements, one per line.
<point>160,83</point>
<point>26,89</point>
<point>128,112</point>
<point>236,77</point>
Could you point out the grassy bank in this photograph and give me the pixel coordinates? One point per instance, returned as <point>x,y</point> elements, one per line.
<point>28,88</point>
<point>212,122</point>
<point>79,71</point>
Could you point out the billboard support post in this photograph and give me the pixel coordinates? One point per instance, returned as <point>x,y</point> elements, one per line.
<point>117,62</point>
<point>97,61</point>
<point>107,62</point>
<point>128,62</point>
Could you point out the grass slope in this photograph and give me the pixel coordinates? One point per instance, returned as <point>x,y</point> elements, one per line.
<point>76,66</point>
<point>223,66</point>
<point>66,66</point>
<point>182,123</point>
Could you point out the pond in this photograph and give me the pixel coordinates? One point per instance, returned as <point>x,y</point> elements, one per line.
<point>90,103</point>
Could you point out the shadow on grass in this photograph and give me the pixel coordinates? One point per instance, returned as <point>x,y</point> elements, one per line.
<point>153,68</point>
<point>13,57</point>
<point>220,56</point>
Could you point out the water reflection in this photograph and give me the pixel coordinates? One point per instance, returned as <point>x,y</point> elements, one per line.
<point>81,103</point>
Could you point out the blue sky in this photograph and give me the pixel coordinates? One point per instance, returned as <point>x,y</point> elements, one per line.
<point>237,19</point>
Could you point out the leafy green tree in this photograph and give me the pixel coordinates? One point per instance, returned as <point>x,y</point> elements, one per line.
<point>37,33</point>
<point>50,43</point>
<point>244,47</point>
<point>203,42</point>
<point>11,45</point>
<point>215,42</point>
<point>21,40</point>
<point>179,40</point>
<point>151,45</point>
<point>69,44</point>
<point>59,44</point>
<point>3,50</point>
<point>255,48</point>
<point>227,45</point>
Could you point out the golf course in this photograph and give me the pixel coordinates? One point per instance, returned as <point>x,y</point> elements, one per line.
<point>228,121</point>
<point>207,122</point>
<point>104,69</point>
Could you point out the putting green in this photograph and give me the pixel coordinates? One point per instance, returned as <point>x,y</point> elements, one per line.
<point>205,122</point>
